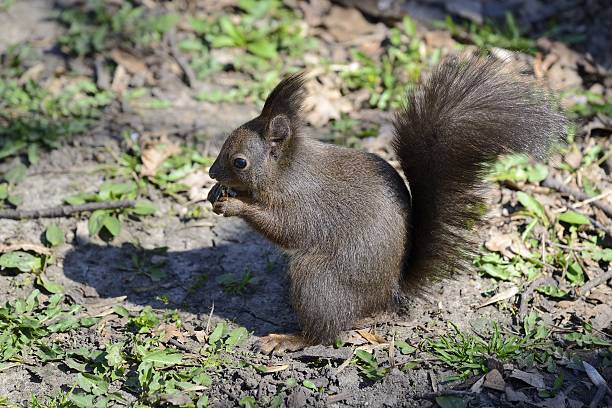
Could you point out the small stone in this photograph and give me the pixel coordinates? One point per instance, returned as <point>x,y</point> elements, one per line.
<point>494,381</point>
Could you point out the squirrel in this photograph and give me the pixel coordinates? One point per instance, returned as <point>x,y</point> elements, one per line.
<point>357,238</point>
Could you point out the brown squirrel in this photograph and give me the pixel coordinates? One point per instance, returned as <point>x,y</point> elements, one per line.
<point>356,236</point>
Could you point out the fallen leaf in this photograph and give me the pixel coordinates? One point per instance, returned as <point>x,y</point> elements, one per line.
<point>274,368</point>
<point>477,386</point>
<point>346,23</point>
<point>154,153</point>
<point>132,64</point>
<point>121,80</point>
<point>506,294</point>
<point>324,102</point>
<point>371,337</point>
<point>499,242</point>
<point>534,379</point>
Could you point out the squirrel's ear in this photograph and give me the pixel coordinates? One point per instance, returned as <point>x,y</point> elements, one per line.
<point>279,129</point>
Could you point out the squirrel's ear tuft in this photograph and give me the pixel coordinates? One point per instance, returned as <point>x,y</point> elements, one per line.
<point>286,99</point>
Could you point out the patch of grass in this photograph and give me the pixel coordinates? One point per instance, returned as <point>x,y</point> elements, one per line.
<point>468,353</point>
<point>386,78</point>
<point>264,37</point>
<point>518,168</point>
<point>349,132</point>
<point>369,366</point>
<point>110,221</point>
<point>588,104</point>
<point>26,325</point>
<point>234,284</point>
<point>32,117</point>
<point>486,36</point>
<point>98,26</point>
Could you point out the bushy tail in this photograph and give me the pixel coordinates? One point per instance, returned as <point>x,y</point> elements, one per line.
<point>465,115</point>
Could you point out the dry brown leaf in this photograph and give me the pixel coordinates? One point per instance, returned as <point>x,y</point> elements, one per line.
<point>121,80</point>
<point>154,153</point>
<point>276,368</point>
<point>345,24</point>
<point>373,338</point>
<point>506,294</point>
<point>200,335</point>
<point>170,331</point>
<point>498,242</point>
<point>132,64</point>
<point>324,102</point>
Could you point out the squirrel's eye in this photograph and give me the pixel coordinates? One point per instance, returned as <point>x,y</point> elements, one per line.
<point>240,163</point>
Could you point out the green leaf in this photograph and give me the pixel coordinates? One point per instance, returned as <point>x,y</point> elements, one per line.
<point>263,48</point>
<point>33,155</point>
<point>54,235</point>
<point>552,291</point>
<point>572,217</point>
<point>16,174</point>
<point>96,222</point>
<point>574,274</point>
<point>404,347</point>
<point>218,333</point>
<point>309,384</point>
<point>144,208</point>
<point>112,224</point>
<point>248,402</point>
<point>121,311</point>
<point>92,384</point>
<point>532,205</point>
<point>3,191</point>
<point>23,261</point>
<point>236,337</point>
<point>51,287</point>
<point>162,358</point>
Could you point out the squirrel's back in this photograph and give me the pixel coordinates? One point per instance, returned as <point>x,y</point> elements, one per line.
<point>467,113</point>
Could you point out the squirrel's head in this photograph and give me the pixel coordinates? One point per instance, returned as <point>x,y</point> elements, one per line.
<point>256,152</point>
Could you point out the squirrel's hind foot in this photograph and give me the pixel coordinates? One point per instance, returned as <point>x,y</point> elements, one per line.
<point>279,343</point>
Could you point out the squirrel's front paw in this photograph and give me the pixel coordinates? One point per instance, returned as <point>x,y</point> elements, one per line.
<point>228,206</point>
<point>279,343</point>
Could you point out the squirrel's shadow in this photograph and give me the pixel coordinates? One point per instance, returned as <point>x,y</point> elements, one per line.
<point>241,274</point>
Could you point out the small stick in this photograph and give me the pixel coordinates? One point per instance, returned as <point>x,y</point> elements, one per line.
<point>180,60</point>
<point>65,210</point>
<point>180,346</point>
<point>593,283</point>
<point>555,184</point>
<point>452,393</point>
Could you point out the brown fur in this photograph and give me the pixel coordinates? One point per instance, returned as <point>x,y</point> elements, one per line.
<point>344,217</point>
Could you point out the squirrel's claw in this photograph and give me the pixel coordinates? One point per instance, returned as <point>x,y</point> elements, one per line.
<point>279,343</point>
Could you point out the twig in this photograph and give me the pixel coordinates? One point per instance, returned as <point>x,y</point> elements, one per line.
<point>180,60</point>
<point>452,393</point>
<point>65,210</point>
<point>527,295</point>
<point>555,184</point>
<point>180,346</point>
<point>593,283</point>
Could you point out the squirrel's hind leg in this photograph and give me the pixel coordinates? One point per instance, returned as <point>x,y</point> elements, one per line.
<point>323,304</point>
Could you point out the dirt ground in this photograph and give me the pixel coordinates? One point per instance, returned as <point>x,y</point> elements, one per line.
<point>195,255</point>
